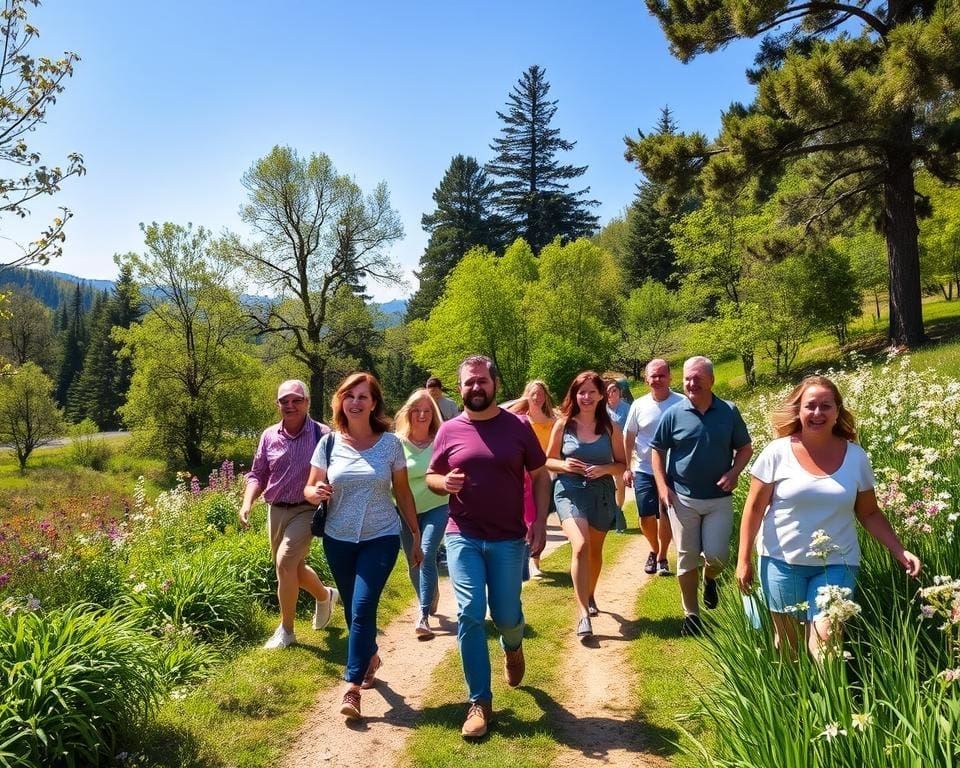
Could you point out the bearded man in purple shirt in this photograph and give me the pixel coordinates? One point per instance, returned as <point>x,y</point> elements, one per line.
<point>479,459</point>
<point>279,472</point>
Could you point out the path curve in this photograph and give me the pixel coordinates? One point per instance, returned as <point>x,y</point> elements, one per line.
<point>393,706</point>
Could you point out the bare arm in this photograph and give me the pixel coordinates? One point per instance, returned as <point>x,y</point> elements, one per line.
<point>250,494</point>
<point>659,460</point>
<point>557,464</point>
<point>317,488</point>
<point>629,441</point>
<point>408,511</point>
<point>537,531</point>
<point>758,500</point>
<point>876,523</point>
<point>729,479</point>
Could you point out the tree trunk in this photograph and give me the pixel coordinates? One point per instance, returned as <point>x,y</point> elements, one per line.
<point>191,442</point>
<point>903,254</point>
<point>748,372</point>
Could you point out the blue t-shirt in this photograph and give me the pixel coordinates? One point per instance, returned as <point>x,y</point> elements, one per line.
<point>700,445</point>
<point>619,414</point>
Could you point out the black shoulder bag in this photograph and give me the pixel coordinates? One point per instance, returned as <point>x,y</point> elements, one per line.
<point>320,513</point>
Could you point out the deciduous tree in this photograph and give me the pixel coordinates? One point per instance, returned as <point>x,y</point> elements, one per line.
<point>29,417</point>
<point>317,233</point>
<point>29,86</point>
<point>26,331</point>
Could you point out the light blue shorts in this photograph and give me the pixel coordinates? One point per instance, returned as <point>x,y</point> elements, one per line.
<point>786,585</point>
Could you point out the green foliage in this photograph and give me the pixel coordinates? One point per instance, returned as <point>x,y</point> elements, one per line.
<point>26,331</point>
<point>71,682</point>
<point>940,237</point>
<point>652,316</point>
<point>557,359</point>
<point>85,449</point>
<point>28,87</point>
<point>319,235</point>
<point>200,594</point>
<point>532,188</point>
<point>29,418</point>
<point>195,380</point>
<point>462,220</point>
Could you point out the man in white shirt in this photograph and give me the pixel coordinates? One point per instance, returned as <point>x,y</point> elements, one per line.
<point>638,431</point>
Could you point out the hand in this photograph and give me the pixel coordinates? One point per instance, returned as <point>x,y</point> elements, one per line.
<point>574,467</point>
<point>628,478</point>
<point>728,481</point>
<point>244,515</point>
<point>668,500</point>
<point>536,537</point>
<point>323,491</point>
<point>910,562</point>
<point>594,472</point>
<point>745,577</point>
<point>416,554</point>
<point>454,481</point>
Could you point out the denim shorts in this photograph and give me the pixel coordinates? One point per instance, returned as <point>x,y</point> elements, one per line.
<point>785,585</point>
<point>645,491</point>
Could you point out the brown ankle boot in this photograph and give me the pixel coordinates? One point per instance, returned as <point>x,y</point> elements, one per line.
<point>514,666</point>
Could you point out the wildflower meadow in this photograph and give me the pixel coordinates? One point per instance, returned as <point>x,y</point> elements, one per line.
<point>890,696</point>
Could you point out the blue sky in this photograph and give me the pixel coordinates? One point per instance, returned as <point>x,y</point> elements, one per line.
<point>173,101</point>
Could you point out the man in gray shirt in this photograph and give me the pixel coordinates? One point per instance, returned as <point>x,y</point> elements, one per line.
<point>448,408</point>
<point>700,448</point>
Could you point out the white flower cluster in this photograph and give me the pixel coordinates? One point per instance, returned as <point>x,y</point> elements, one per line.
<point>821,545</point>
<point>835,604</point>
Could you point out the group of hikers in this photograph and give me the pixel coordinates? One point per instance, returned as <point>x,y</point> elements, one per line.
<point>481,483</point>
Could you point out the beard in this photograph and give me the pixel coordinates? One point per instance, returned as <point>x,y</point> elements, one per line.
<point>477,401</point>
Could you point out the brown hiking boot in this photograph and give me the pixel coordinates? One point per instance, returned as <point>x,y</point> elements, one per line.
<point>479,717</point>
<point>514,666</point>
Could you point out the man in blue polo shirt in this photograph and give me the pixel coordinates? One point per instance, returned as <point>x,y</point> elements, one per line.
<point>700,449</point>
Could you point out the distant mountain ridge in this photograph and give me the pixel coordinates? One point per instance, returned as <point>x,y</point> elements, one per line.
<point>53,288</point>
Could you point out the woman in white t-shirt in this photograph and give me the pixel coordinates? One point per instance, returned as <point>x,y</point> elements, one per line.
<point>808,487</point>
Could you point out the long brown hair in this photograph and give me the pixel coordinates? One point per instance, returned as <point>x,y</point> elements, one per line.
<point>378,416</point>
<point>571,408</point>
<point>786,418</point>
<point>401,420</point>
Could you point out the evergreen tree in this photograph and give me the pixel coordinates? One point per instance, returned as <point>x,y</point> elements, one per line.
<point>74,340</point>
<point>532,192</point>
<point>462,219</point>
<point>78,406</point>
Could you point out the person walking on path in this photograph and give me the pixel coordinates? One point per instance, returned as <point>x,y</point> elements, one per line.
<point>586,452</point>
<point>448,408</point>
<point>279,471</point>
<point>641,425</point>
<point>700,448</point>
<point>618,409</point>
<point>416,424</point>
<point>361,538</point>
<point>809,486</point>
<point>535,407</point>
<point>479,459</point>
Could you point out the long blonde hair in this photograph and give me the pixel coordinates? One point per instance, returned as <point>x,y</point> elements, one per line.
<point>786,418</point>
<point>522,405</point>
<point>402,418</point>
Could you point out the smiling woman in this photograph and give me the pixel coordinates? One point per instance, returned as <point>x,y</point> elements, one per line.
<point>361,537</point>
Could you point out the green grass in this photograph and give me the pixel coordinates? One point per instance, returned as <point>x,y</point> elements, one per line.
<point>247,712</point>
<point>672,670</point>
<point>524,735</point>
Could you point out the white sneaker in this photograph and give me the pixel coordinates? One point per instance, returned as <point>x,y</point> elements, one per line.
<point>323,611</point>
<point>535,572</point>
<point>280,639</point>
<point>421,628</point>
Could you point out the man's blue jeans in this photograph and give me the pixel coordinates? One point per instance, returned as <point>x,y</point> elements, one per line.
<point>425,577</point>
<point>360,570</point>
<point>481,571</point>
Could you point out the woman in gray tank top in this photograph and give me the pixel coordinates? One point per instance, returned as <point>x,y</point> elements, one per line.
<point>586,452</point>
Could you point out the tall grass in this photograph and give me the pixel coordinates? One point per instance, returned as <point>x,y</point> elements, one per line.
<point>890,699</point>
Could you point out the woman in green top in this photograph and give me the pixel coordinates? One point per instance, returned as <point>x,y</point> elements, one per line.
<point>416,424</point>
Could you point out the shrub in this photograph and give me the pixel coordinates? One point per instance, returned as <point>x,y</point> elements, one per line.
<point>199,594</point>
<point>70,683</point>
<point>87,450</point>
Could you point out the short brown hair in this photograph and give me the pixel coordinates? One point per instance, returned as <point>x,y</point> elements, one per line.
<point>786,418</point>
<point>378,416</point>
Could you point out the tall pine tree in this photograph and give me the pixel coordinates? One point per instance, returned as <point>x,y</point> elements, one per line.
<point>105,380</point>
<point>73,345</point>
<point>532,192</point>
<point>462,219</point>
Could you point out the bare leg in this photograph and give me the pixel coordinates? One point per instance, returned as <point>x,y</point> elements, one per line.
<point>664,535</point>
<point>576,532</point>
<point>288,587</point>
<point>786,634</point>
<point>596,557</point>
<point>822,639</point>
<point>310,581</point>
<point>649,527</point>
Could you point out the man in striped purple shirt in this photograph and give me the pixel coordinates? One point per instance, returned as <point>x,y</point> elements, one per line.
<point>279,472</point>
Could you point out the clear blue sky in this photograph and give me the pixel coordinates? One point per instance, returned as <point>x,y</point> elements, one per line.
<point>173,101</point>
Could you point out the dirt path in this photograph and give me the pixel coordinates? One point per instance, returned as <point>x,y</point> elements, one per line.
<point>597,725</point>
<point>393,706</point>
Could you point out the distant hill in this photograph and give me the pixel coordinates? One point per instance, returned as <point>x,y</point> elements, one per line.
<point>52,288</point>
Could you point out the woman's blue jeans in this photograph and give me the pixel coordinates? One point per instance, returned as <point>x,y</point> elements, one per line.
<point>360,570</point>
<point>425,577</point>
<point>483,571</point>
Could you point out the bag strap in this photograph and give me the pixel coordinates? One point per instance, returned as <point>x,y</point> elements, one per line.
<point>328,449</point>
